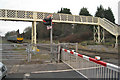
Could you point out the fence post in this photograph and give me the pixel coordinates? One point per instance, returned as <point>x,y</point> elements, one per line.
<point>30,57</point>
<point>28,51</point>
<point>76,47</point>
<point>59,52</point>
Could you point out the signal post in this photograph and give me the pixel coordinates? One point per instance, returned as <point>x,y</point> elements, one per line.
<point>48,21</point>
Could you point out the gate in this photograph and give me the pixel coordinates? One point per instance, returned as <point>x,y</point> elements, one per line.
<point>25,53</point>
<point>13,53</point>
<point>43,53</point>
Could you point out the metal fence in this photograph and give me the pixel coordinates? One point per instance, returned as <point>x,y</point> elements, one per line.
<point>42,52</point>
<point>13,54</point>
<point>90,67</point>
<point>29,52</point>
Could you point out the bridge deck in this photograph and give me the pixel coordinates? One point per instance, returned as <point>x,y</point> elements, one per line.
<point>39,16</point>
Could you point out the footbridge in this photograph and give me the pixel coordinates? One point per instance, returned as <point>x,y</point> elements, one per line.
<point>100,24</point>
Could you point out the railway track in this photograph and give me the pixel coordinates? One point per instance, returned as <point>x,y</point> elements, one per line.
<point>105,56</point>
<point>97,51</point>
<point>109,57</point>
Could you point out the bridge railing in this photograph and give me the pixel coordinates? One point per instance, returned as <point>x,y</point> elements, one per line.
<point>90,67</point>
<point>109,26</point>
<point>16,14</point>
<point>6,14</point>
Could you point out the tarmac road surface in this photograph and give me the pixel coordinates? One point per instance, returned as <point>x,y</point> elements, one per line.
<point>42,71</point>
<point>47,75</point>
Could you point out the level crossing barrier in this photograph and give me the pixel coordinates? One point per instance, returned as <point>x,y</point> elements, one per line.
<point>90,67</point>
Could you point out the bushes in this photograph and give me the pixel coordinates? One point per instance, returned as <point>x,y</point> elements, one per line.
<point>77,37</point>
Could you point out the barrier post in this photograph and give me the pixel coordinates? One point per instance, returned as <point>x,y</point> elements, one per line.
<point>76,47</point>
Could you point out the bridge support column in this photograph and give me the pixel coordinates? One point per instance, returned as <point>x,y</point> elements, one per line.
<point>32,33</point>
<point>99,34</point>
<point>116,44</point>
<point>95,33</point>
<point>33,41</point>
<point>103,35</point>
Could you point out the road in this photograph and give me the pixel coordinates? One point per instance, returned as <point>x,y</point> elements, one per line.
<point>64,74</point>
<point>38,71</point>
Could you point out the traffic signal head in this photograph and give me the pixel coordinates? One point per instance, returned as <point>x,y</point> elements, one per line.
<point>47,21</point>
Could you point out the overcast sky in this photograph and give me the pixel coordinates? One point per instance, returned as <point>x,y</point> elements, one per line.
<point>51,6</point>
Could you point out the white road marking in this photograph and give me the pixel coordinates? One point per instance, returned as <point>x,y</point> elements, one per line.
<point>62,70</point>
<point>26,76</point>
<point>52,71</point>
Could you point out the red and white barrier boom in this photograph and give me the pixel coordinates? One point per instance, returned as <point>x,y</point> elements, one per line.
<point>108,65</point>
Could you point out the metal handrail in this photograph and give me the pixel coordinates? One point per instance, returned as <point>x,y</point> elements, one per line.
<point>109,22</point>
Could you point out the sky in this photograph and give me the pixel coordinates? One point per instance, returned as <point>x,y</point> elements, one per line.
<point>51,6</point>
<point>119,13</point>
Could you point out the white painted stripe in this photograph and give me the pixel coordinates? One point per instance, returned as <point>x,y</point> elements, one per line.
<point>113,67</point>
<point>73,50</point>
<point>68,51</point>
<point>27,75</point>
<point>76,54</point>
<point>87,68</point>
<point>86,57</point>
<point>64,70</point>
<point>63,49</point>
<point>52,71</point>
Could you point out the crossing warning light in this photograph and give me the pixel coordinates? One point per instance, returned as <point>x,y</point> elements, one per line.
<point>47,21</point>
